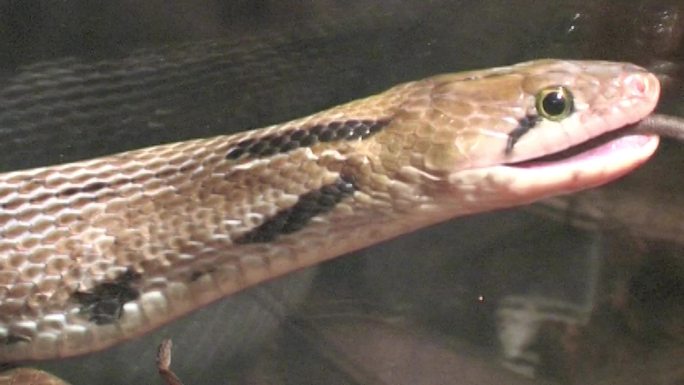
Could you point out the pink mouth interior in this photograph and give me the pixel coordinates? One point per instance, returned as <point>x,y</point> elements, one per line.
<point>599,147</point>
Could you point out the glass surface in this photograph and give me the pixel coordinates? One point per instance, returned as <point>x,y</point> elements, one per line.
<point>583,289</point>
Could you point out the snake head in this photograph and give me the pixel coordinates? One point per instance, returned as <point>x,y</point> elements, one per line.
<point>519,133</point>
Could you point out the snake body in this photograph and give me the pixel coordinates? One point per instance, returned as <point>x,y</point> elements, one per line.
<point>99,251</point>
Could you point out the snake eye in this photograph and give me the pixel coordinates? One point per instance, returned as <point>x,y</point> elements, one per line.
<point>554,103</point>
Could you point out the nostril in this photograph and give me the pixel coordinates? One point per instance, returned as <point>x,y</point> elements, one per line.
<point>636,83</point>
<point>642,84</point>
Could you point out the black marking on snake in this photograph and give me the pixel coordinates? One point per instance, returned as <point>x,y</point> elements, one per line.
<point>104,303</point>
<point>11,339</point>
<point>524,125</point>
<point>89,188</point>
<point>6,366</point>
<point>308,205</point>
<point>197,274</point>
<point>304,137</point>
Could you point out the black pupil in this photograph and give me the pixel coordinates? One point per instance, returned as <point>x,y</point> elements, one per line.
<point>554,103</point>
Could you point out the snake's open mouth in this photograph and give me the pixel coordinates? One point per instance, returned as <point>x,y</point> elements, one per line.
<point>598,147</point>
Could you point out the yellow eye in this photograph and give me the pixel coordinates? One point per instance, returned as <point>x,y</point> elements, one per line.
<point>554,103</point>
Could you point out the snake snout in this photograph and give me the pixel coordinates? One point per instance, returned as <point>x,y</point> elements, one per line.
<point>641,84</point>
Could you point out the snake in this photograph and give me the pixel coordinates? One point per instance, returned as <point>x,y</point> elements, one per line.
<point>96,252</point>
